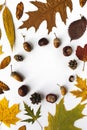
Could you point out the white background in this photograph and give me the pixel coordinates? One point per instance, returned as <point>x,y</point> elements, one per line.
<point>44,67</point>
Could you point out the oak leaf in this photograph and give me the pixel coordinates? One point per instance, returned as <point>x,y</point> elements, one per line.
<point>82,2</point>
<point>5,62</point>
<point>63,119</point>
<point>81,53</point>
<point>9,26</point>
<point>47,11</point>
<point>82,89</point>
<point>8,114</point>
<point>1,52</point>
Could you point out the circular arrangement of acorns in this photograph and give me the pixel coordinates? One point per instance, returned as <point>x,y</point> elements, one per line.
<point>75,30</point>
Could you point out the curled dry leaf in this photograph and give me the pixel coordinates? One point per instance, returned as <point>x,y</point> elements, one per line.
<point>9,26</point>
<point>19,10</point>
<point>77,28</point>
<point>3,86</point>
<point>5,62</point>
<point>82,2</point>
<point>22,127</point>
<point>81,53</point>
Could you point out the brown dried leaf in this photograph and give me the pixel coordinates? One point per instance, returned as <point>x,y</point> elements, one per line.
<point>19,10</point>
<point>82,2</point>
<point>3,86</point>
<point>22,127</point>
<point>77,28</point>
<point>47,11</point>
<point>9,26</point>
<point>5,62</point>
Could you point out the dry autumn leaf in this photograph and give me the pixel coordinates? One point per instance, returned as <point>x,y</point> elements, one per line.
<point>47,11</point>
<point>19,10</point>
<point>1,52</point>
<point>81,53</point>
<point>82,2</point>
<point>82,92</point>
<point>77,28</point>
<point>3,86</point>
<point>22,127</point>
<point>5,62</point>
<point>9,26</point>
<point>8,114</point>
<point>0,34</point>
<point>63,119</point>
<point>1,6</point>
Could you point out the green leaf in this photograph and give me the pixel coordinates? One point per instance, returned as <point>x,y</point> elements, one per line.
<point>30,112</point>
<point>63,119</point>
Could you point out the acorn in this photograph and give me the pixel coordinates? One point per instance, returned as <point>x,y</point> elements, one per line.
<point>63,90</point>
<point>56,41</point>
<point>16,75</point>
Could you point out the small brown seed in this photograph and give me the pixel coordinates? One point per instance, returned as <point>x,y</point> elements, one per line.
<point>71,78</point>
<point>51,98</point>
<point>18,58</point>
<point>27,47</point>
<point>17,76</point>
<point>63,90</point>
<point>67,50</point>
<point>23,90</point>
<point>43,42</point>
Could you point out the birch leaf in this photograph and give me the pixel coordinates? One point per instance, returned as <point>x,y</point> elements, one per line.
<point>5,62</point>
<point>8,114</point>
<point>9,26</point>
<point>1,52</point>
<point>63,119</point>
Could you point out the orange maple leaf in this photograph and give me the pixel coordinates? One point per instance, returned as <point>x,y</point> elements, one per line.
<point>82,92</point>
<point>47,11</point>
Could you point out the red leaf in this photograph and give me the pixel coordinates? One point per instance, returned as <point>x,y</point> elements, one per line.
<point>81,53</point>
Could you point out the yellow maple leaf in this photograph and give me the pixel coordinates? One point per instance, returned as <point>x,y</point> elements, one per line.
<point>8,114</point>
<point>1,52</point>
<point>82,85</point>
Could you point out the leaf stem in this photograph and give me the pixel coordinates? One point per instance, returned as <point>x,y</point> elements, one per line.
<point>83,66</point>
<point>40,124</point>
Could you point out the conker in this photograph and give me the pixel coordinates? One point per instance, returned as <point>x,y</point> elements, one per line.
<point>23,90</point>
<point>43,42</point>
<point>67,50</point>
